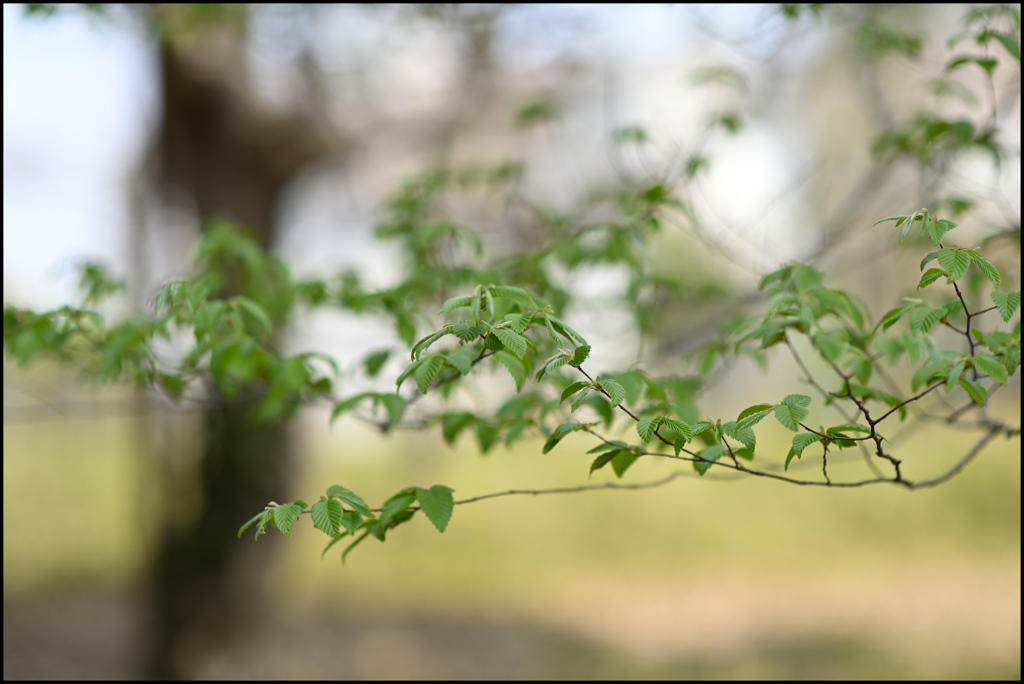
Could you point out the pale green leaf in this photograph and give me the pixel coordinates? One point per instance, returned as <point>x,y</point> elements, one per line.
<point>990,366</point>
<point>427,371</point>
<point>326,514</point>
<point>1007,303</point>
<point>615,391</point>
<point>512,340</point>
<point>437,504</point>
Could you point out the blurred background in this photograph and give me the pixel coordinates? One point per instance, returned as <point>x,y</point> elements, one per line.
<point>126,127</point>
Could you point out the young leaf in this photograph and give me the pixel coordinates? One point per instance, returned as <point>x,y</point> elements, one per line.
<point>347,405</point>
<point>990,271</point>
<point>792,410</point>
<point>680,428</point>
<point>929,277</point>
<point>425,342</point>
<point>978,393</point>
<point>561,431</point>
<point>258,517</point>
<point>709,455</point>
<point>467,333</point>
<point>512,340</point>
<point>486,434</point>
<point>412,367</point>
<point>646,427</point>
<point>427,371</point>
<point>615,391</point>
<point>285,515</point>
<point>991,367</point>
<point>326,514</point>
<point>395,505</point>
<point>516,294</point>
<point>580,354</point>
<point>752,415</point>
<point>437,504</point>
<point>394,404</point>
<point>622,460</point>
<point>801,442</point>
<point>514,367</point>
<point>259,313</point>
<point>349,497</point>
<point>573,389</point>
<point>1007,303</point>
<point>454,423</point>
<point>578,401</point>
<point>955,261</point>
<point>455,302</point>
<point>603,460</point>
<point>375,361</point>
<point>554,363</point>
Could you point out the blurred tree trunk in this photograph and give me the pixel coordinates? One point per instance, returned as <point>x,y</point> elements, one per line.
<point>231,158</point>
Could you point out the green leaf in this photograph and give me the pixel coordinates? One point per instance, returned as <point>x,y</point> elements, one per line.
<point>645,427</point>
<point>990,271</point>
<point>425,342</point>
<point>615,391</point>
<point>990,366</point>
<point>486,434</point>
<point>923,318</point>
<point>978,393</point>
<point>792,410</point>
<point>352,521</point>
<point>467,333</point>
<point>514,367</point>
<point>348,405</point>
<point>578,401</point>
<point>580,354</point>
<point>554,363</point>
<point>927,373</point>
<point>326,514</point>
<point>801,442</point>
<point>454,423</point>
<point>375,361</point>
<point>563,430</point>
<point>681,428</point>
<point>394,404</point>
<point>454,303</point>
<point>461,362</point>
<point>1007,303</point>
<point>515,342</point>
<point>709,455</point>
<point>349,497</point>
<point>892,316</point>
<point>604,459</point>
<point>752,415</point>
<point>437,504</point>
<point>929,277</point>
<point>427,371</point>
<point>622,460</point>
<point>830,344</point>
<point>258,517</point>
<point>955,261</point>
<point>407,372</point>
<point>396,504</point>
<point>259,313</point>
<point>285,515</point>
<point>573,389</point>
<point>516,294</point>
